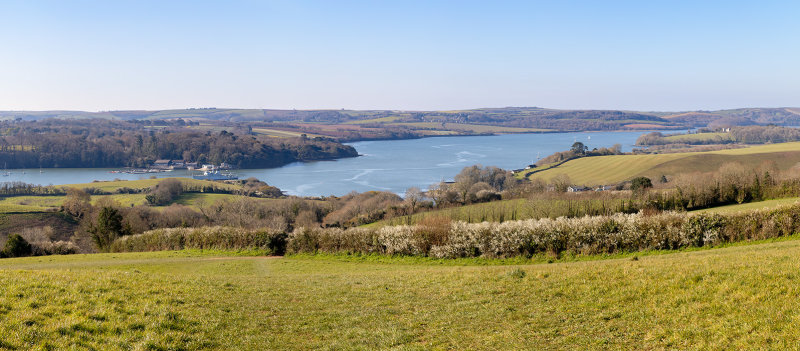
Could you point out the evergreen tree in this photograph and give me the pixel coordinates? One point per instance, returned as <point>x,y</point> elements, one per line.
<point>107,228</point>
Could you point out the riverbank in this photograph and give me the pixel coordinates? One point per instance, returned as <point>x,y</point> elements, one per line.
<point>388,165</point>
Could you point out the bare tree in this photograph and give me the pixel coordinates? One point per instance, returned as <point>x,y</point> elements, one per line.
<point>413,197</point>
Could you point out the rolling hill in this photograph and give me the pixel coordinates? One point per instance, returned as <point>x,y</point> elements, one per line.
<point>600,170</point>
<point>741,297</point>
<point>511,117</point>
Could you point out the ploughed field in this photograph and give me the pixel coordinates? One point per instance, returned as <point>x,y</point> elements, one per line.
<point>744,296</point>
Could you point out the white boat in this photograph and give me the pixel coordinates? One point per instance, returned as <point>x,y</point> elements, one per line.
<point>216,175</point>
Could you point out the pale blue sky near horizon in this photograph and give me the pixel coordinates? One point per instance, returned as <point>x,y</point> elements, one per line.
<point>411,55</point>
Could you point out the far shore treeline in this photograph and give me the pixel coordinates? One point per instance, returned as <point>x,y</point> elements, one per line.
<point>56,143</point>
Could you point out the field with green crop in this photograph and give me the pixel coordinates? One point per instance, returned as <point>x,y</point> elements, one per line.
<point>729,298</point>
<point>612,169</point>
<point>767,204</point>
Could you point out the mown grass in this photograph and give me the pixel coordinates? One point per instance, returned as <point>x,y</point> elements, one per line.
<point>767,204</point>
<point>736,297</point>
<point>600,170</point>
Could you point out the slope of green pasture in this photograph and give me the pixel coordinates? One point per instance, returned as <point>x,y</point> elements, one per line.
<point>110,186</point>
<point>741,297</point>
<point>517,209</point>
<point>29,203</point>
<point>767,204</point>
<point>616,168</point>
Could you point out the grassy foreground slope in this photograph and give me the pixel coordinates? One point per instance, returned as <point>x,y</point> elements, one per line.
<point>736,297</point>
<point>612,169</point>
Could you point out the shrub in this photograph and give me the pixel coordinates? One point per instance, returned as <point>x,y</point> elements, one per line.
<point>220,238</point>
<point>107,228</point>
<point>165,192</point>
<point>54,248</point>
<point>17,246</point>
<point>517,273</point>
<point>437,237</point>
<point>641,183</point>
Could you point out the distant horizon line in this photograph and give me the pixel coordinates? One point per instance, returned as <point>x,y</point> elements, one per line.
<point>394,109</point>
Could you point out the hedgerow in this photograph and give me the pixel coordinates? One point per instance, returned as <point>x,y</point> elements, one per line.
<point>585,235</point>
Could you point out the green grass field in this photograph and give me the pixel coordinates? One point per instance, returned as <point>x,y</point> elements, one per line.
<point>729,298</point>
<point>700,137</point>
<point>282,133</point>
<point>110,186</point>
<point>514,209</point>
<point>613,169</point>
<point>767,204</point>
<point>30,204</point>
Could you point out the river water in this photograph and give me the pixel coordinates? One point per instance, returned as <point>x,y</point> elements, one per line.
<point>389,165</point>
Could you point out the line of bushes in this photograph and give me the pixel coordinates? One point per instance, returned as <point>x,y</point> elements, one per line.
<point>444,239</point>
<point>218,238</point>
<point>17,246</point>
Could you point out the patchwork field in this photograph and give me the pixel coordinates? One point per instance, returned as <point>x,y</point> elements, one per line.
<point>612,169</point>
<point>729,298</point>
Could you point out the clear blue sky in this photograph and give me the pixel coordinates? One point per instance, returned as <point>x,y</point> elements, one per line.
<point>645,55</point>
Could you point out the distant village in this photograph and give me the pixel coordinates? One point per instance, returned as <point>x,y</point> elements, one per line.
<point>160,166</point>
<point>181,164</point>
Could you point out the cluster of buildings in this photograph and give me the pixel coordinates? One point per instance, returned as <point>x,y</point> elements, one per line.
<point>577,189</point>
<point>181,164</point>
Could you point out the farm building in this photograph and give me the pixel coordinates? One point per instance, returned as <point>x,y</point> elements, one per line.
<point>575,189</point>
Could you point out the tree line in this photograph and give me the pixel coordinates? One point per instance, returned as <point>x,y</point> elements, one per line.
<point>103,143</point>
<point>740,135</point>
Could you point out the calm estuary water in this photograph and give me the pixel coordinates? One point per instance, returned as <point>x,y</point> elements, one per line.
<point>390,165</point>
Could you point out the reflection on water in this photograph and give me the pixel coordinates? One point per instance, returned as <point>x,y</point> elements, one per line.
<point>391,165</point>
